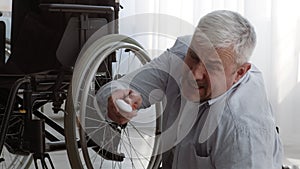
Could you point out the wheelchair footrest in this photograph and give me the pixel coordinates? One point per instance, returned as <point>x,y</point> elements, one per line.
<point>109,155</point>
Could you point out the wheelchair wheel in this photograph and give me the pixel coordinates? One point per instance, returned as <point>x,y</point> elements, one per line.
<point>94,142</point>
<point>9,159</point>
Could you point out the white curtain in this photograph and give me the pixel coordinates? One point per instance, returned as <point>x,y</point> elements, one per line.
<point>277,54</point>
<point>5,8</point>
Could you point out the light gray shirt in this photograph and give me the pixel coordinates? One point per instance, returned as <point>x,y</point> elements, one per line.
<point>233,131</point>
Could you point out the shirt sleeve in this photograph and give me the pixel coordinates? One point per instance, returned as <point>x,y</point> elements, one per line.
<point>144,80</point>
<point>160,72</point>
<point>152,76</point>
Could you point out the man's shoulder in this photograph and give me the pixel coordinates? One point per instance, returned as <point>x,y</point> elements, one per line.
<point>181,45</point>
<point>184,40</point>
<point>248,103</point>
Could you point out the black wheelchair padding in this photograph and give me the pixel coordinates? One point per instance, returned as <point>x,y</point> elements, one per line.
<point>41,38</point>
<point>34,48</point>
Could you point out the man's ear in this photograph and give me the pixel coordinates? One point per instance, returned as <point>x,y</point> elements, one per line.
<point>241,71</point>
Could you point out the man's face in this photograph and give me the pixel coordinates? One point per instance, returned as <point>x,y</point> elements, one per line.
<point>208,72</point>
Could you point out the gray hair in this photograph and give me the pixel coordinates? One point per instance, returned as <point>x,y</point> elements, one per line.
<point>229,29</point>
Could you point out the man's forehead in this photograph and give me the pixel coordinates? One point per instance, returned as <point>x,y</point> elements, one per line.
<point>206,51</point>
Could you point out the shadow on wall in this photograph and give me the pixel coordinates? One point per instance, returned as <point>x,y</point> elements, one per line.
<point>289,107</point>
<point>289,118</point>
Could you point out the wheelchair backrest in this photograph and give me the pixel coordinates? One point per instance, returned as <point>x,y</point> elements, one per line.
<point>44,40</point>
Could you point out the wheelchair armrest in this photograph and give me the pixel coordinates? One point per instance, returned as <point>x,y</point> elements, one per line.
<point>78,8</point>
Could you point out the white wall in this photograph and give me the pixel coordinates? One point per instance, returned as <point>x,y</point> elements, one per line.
<point>5,8</point>
<point>5,5</point>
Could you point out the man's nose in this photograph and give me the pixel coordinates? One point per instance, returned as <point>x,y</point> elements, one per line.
<point>199,71</point>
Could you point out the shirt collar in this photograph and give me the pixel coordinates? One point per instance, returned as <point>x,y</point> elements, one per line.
<point>214,100</point>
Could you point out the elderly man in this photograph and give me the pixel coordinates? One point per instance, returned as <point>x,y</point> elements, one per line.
<point>216,112</point>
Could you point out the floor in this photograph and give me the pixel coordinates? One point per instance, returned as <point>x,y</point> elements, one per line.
<point>292,156</point>
<point>60,160</point>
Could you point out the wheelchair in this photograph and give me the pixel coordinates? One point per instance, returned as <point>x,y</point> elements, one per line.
<point>57,56</point>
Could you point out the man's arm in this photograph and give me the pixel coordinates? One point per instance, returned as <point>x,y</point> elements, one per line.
<point>135,88</point>
<point>150,78</point>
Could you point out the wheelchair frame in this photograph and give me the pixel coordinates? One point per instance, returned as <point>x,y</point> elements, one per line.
<point>37,89</point>
<point>23,122</point>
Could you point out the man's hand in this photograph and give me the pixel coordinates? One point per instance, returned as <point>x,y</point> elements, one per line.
<point>131,97</point>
